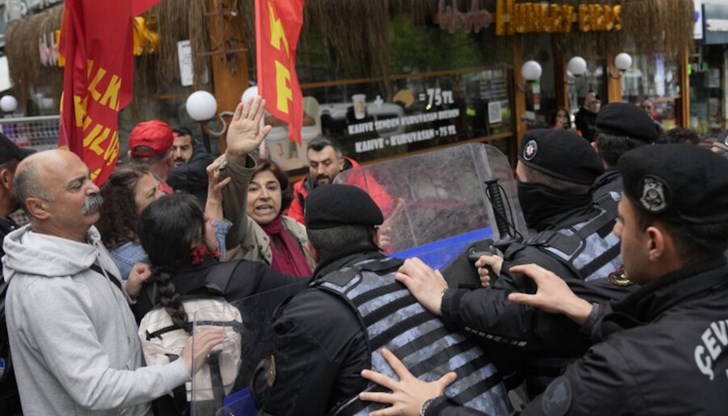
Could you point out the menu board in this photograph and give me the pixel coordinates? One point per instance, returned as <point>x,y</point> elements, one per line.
<point>373,120</point>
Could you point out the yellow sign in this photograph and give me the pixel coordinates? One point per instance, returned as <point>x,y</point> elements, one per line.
<point>515,18</point>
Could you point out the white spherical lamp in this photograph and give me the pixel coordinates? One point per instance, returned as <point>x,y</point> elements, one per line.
<point>531,71</point>
<point>201,105</point>
<point>249,93</point>
<point>577,66</point>
<point>8,104</point>
<point>623,61</point>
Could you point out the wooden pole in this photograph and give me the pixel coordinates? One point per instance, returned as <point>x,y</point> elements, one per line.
<point>229,63</point>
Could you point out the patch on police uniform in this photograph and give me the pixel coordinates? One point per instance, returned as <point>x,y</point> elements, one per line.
<point>556,400</point>
<point>529,152</point>
<point>618,278</point>
<point>655,194</point>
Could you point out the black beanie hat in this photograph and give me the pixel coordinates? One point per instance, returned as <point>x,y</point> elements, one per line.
<point>622,119</point>
<point>681,183</point>
<point>9,150</point>
<point>336,204</point>
<point>561,154</point>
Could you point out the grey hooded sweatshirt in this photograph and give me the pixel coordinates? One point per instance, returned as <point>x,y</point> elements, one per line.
<point>72,335</point>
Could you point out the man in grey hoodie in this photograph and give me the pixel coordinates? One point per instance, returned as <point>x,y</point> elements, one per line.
<point>72,334</point>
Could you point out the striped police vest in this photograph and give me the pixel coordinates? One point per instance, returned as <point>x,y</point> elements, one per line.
<point>393,319</point>
<point>589,248</point>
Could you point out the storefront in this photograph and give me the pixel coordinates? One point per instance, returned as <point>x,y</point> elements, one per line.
<point>389,78</point>
<point>707,67</point>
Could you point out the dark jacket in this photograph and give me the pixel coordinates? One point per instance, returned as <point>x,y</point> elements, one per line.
<point>247,278</point>
<point>9,397</point>
<point>586,122</point>
<point>609,181</point>
<point>322,344</point>
<point>663,354</point>
<point>317,367</point>
<point>192,177</point>
<point>522,339</point>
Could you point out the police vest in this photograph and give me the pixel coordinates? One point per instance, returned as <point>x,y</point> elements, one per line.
<point>590,249</point>
<point>392,318</point>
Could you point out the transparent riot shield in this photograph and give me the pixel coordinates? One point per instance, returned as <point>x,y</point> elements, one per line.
<point>438,204</point>
<point>222,383</point>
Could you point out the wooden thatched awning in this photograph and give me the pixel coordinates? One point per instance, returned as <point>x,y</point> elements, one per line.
<point>355,30</point>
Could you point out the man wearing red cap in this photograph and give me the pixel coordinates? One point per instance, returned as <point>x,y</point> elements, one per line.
<point>150,143</point>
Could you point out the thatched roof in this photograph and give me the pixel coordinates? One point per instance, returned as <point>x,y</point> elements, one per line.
<point>354,32</point>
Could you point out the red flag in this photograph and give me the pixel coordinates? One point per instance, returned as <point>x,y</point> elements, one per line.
<point>96,42</point>
<point>278,25</point>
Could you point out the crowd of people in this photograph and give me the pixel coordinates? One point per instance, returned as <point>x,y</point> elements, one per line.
<point>614,304</point>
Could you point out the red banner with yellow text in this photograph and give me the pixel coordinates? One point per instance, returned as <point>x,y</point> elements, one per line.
<point>278,25</point>
<point>96,42</point>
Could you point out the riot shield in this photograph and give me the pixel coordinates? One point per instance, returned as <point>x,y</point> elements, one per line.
<point>222,383</point>
<point>437,204</point>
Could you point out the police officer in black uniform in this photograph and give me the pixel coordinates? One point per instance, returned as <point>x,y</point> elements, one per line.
<point>620,127</point>
<point>327,334</point>
<point>574,237</point>
<point>663,348</point>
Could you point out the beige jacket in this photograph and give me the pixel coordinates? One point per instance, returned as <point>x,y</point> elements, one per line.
<point>246,239</point>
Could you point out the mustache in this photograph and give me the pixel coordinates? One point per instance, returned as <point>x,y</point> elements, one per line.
<point>92,204</point>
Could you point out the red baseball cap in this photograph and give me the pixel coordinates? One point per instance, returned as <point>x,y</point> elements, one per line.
<point>150,138</point>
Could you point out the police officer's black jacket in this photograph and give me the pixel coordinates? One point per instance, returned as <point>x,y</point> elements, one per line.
<point>546,341</point>
<point>316,368</point>
<point>9,397</point>
<point>665,352</point>
<point>609,181</point>
<point>321,347</point>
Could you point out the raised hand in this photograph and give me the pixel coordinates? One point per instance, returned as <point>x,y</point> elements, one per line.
<point>245,133</point>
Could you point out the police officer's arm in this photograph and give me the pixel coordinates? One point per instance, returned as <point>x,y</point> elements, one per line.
<point>553,294</point>
<point>243,136</point>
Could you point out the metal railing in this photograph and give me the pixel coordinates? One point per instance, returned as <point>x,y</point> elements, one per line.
<point>39,132</point>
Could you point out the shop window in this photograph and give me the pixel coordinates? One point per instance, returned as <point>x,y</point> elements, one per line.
<point>653,83</point>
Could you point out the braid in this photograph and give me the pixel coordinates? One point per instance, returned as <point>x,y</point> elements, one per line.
<point>170,299</point>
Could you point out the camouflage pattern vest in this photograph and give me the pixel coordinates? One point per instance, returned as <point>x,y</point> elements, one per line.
<point>392,318</point>
<point>590,248</point>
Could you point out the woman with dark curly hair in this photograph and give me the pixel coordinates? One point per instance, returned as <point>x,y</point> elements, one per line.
<point>271,237</point>
<point>126,193</point>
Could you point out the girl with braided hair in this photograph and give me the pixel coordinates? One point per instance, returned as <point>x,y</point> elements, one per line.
<point>183,250</point>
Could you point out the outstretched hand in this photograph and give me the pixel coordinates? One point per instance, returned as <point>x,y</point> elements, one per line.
<point>408,394</point>
<point>425,284</point>
<point>553,294</point>
<point>245,133</point>
<point>200,345</point>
